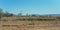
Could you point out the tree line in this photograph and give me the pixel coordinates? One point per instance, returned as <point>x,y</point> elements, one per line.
<point>7,14</point>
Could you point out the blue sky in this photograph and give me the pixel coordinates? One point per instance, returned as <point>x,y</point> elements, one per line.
<point>31,6</point>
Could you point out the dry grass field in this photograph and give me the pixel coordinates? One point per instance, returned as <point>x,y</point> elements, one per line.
<point>29,25</point>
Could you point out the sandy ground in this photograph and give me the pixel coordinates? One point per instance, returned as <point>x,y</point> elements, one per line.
<point>28,25</point>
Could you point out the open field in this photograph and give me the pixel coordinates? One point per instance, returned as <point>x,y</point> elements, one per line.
<point>29,25</point>
<point>29,14</point>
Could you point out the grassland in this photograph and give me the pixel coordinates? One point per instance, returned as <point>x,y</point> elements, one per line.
<point>30,18</point>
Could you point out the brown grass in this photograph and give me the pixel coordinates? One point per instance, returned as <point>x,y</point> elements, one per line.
<point>29,25</point>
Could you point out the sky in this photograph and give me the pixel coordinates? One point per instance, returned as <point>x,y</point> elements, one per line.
<point>31,6</point>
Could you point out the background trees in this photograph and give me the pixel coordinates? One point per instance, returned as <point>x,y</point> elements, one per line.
<point>1,13</point>
<point>19,14</point>
<point>5,14</point>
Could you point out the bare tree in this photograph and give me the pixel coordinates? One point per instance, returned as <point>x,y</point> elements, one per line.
<point>19,14</point>
<point>1,13</point>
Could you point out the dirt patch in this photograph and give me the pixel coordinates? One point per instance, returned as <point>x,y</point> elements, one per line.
<point>28,25</point>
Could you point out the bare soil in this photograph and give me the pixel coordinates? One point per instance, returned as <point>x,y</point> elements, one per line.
<point>29,25</point>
